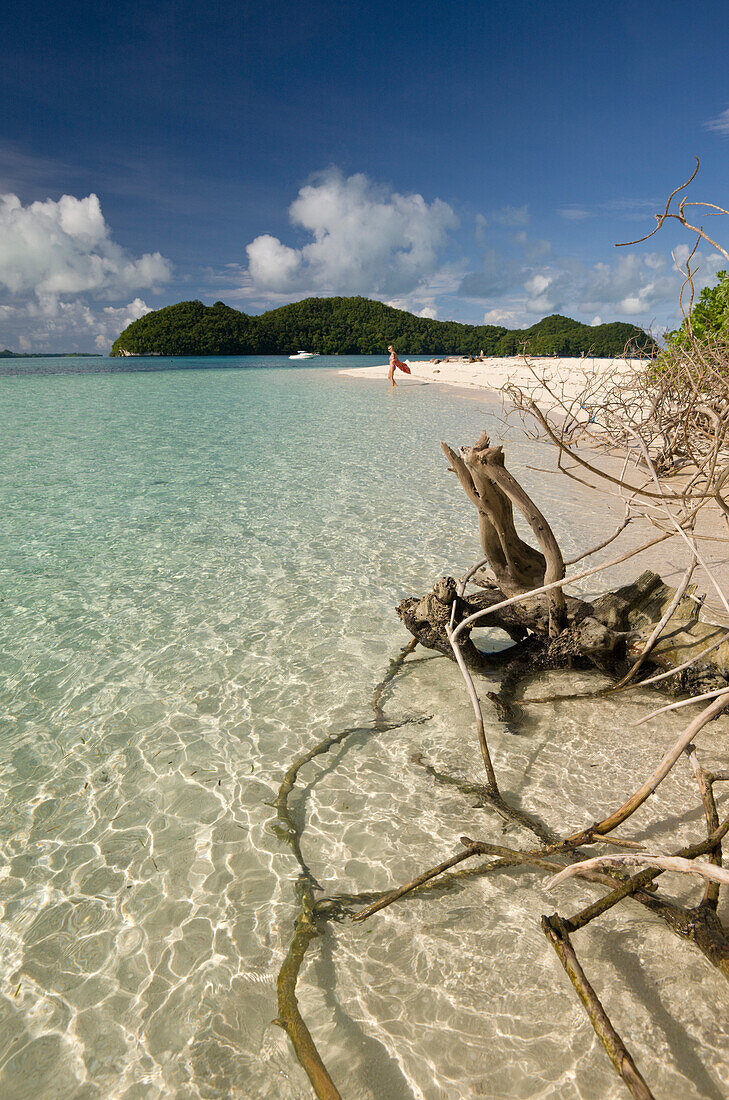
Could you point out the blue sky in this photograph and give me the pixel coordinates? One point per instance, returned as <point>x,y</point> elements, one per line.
<point>464,160</point>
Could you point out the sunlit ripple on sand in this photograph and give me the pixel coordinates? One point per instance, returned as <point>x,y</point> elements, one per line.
<point>199,572</point>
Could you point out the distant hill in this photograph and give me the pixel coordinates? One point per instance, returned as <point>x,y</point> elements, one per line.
<point>359,326</point>
<point>6,353</point>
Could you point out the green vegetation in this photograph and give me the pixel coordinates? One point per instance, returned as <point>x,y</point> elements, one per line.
<point>709,316</point>
<point>8,354</point>
<point>359,326</point>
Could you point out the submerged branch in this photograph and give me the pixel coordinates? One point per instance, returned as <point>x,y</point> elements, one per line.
<point>598,1017</point>
<point>289,1016</point>
<point>313,912</point>
<point>426,876</point>
<point>644,878</point>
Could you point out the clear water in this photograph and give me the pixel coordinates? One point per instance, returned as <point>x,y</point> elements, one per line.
<point>199,570</point>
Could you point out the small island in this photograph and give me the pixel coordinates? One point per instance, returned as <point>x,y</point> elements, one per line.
<point>362,326</point>
<point>6,353</point>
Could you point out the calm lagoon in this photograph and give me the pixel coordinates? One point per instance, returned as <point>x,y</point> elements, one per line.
<point>199,566</point>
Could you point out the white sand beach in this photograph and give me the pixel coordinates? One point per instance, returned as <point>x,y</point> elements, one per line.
<point>567,376</point>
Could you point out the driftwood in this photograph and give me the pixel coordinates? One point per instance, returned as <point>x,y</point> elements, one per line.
<point>642,633</point>
<point>620,1057</point>
<point>700,925</point>
<point>645,632</point>
<point>289,1016</point>
<point>664,421</point>
<point>516,565</point>
<point>551,630</point>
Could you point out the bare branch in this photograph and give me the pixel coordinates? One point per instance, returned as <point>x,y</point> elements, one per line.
<point>706,790</point>
<point>654,781</point>
<point>682,703</point>
<point>616,1050</point>
<point>606,542</point>
<point>660,218</point>
<point>664,863</point>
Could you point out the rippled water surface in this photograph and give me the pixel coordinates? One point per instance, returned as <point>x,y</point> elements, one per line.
<point>199,570</point>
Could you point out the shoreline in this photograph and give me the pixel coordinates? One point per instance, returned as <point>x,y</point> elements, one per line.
<point>568,376</point>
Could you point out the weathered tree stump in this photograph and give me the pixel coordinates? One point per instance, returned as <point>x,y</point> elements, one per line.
<point>552,630</point>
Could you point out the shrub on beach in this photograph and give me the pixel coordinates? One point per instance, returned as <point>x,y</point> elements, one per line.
<point>708,320</point>
<point>695,356</point>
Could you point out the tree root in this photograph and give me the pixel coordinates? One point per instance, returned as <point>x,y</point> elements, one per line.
<point>640,628</point>
<point>289,1016</point>
<point>313,912</point>
<point>549,631</point>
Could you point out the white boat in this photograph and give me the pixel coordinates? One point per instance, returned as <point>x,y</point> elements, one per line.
<point>303,355</point>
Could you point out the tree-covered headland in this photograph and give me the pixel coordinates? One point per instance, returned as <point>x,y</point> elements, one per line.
<point>360,326</point>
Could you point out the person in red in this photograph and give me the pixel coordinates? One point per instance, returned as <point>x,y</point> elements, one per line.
<point>395,362</point>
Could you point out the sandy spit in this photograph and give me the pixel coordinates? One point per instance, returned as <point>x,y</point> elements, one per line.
<point>566,376</point>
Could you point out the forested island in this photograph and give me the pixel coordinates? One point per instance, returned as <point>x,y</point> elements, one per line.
<point>361,326</point>
<point>6,353</point>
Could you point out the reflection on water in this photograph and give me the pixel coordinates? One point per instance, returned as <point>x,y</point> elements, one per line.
<point>199,571</point>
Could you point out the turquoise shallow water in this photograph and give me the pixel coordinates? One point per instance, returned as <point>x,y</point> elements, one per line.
<point>199,569</point>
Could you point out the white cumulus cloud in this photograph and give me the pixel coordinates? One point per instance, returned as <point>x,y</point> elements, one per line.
<point>57,258</point>
<point>65,248</point>
<point>365,239</point>
<point>115,319</point>
<point>47,323</point>
<point>508,318</point>
<point>272,265</point>
<point>642,288</point>
<point>634,287</point>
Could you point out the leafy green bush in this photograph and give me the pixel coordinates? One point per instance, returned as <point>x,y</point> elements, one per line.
<point>709,317</point>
